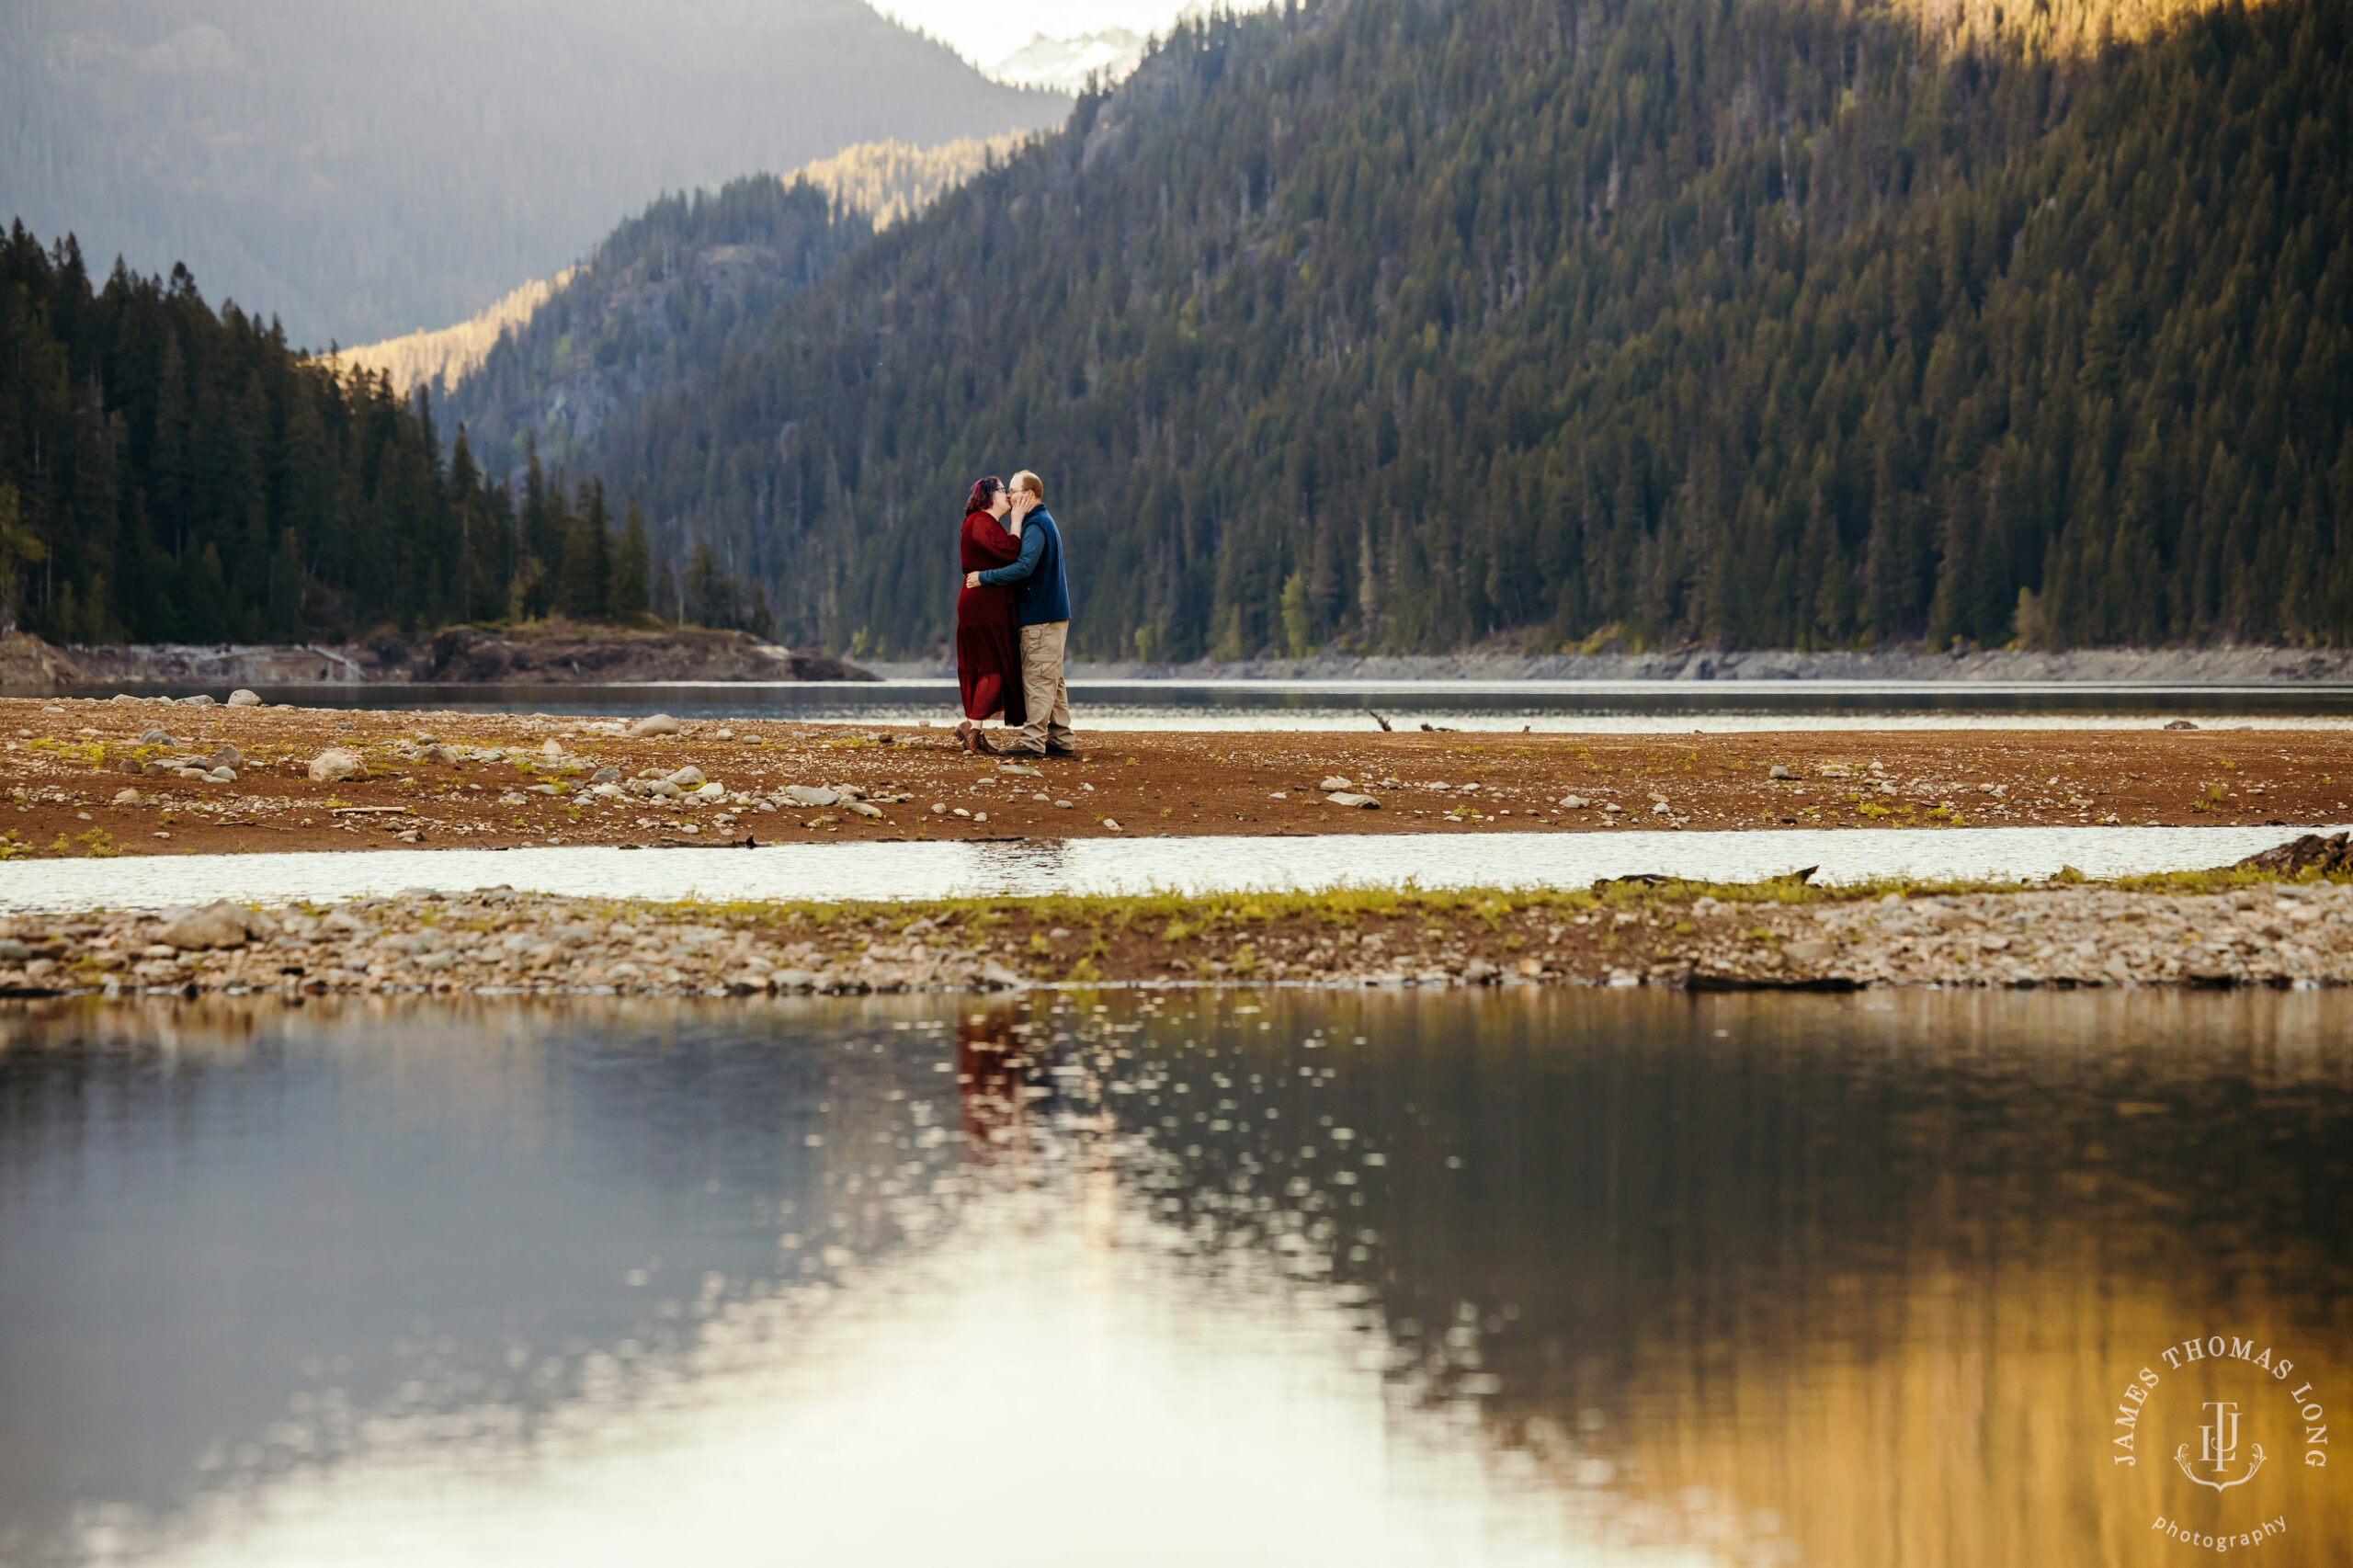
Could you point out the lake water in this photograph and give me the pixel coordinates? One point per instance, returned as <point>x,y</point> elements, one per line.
<point>1216,1277</point>
<point>1046,866</point>
<point>1582,707</point>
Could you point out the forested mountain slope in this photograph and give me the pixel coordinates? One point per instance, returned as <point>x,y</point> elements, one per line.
<point>883,181</point>
<point>672,292</point>
<point>359,170</point>
<point>1398,324</point>
<point>171,474</point>
<point>663,299</point>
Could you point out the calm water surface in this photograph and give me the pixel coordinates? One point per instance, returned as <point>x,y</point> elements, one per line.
<point>1233,1278</point>
<point>1584,707</point>
<point>1052,867</point>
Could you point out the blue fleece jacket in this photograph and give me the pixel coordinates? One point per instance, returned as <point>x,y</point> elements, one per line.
<point>1042,596</point>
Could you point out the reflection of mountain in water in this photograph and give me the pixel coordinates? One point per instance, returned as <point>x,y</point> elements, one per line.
<point>1694,1279</point>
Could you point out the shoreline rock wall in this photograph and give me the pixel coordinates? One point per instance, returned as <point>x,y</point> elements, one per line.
<point>2166,667</point>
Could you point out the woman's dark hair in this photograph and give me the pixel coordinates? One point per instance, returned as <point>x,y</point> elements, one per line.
<point>978,501</point>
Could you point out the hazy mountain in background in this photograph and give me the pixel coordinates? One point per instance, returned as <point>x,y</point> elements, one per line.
<point>666,296</point>
<point>362,171</point>
<point>884,181</point>
<point>1065,64</point>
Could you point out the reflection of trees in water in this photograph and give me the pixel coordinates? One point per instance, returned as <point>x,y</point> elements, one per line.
<point>1871,1265</point>
<point>562,1192</point>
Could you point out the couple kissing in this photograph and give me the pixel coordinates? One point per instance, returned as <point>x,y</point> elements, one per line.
<point>1012,622</point>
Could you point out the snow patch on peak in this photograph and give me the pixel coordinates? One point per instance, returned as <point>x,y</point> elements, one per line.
<point>1064,64</point>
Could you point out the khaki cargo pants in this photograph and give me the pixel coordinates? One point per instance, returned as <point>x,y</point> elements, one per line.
<point>1043,692</point>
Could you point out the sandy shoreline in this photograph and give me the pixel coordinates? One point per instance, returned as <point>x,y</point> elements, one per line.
<point>86,777</point>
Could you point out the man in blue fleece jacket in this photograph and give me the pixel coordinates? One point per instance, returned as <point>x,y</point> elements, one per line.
<point>1042,608</point>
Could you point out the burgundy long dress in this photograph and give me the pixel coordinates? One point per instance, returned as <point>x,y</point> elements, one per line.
<point>988,643</point>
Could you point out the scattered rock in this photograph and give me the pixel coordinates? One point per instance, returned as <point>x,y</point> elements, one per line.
<point>688,778</point>
<point>221,925</point>
<point>717,791</point>
<point>1111,823</point>
<point>335,763</point>
<point>152,736</point>
<point>607,775</point>
<point>860,807</point>
<point>222,776</point>
<point>1806,950</point>
<point>1574,802</point>
<point>552,748</point>
<point>809,795</point>
<point>241,698</point>
<point>1334,783</point>
<point>2181,724</point>
<point>1778,770</point>
<point>126,797</point>
<point>199,700</point>
<point>654,725</point>
<point>227,757</point>
<point>1346,798</point>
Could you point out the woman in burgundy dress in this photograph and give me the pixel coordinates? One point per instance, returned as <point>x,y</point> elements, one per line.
<point>988,644</point>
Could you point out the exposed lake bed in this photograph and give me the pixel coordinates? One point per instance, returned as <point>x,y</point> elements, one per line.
<point>97,780</point>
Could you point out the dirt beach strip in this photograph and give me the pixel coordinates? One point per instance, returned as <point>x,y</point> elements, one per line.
<point>2214,929</point>
<point>149,777</point>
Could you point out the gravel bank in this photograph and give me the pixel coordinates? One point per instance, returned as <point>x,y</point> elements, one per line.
<point>2221,930</point>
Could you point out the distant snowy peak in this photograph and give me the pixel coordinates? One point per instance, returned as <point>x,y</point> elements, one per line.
<point>1064,64</point>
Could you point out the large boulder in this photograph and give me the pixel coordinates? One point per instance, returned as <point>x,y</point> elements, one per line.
<point>335,763</point>
<point>654,725</point>
<point>221,925</point>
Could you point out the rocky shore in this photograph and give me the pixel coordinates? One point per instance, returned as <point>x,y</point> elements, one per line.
<point>2220,929</point>
<point>543,653</point>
